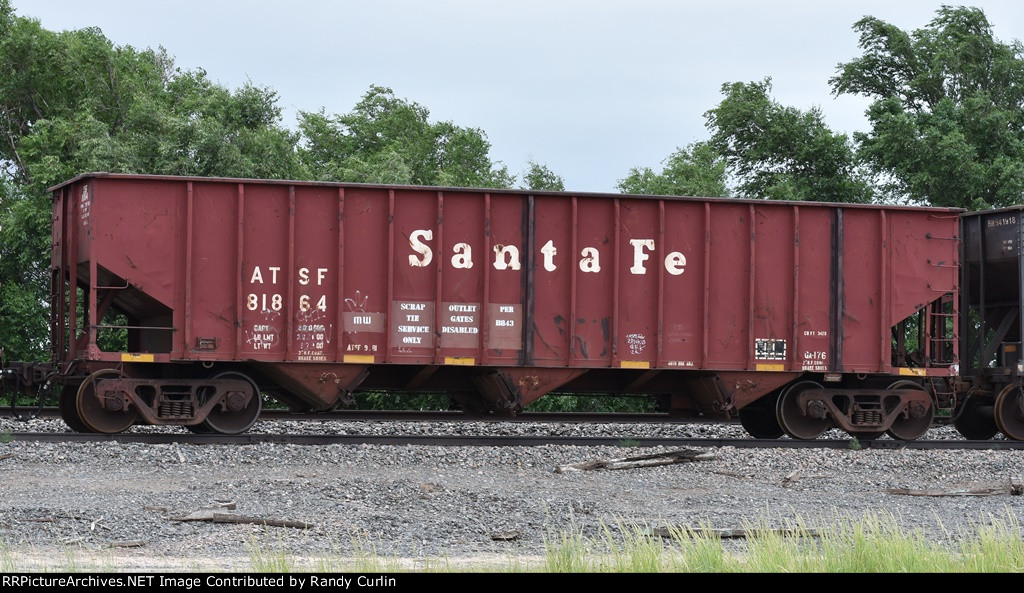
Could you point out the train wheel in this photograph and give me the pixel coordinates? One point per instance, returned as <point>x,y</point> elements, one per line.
<point>236,417</point>
<point>114,417</point>
<point>794,421</point>
<point>68,405</point>
<point>916,422</point>
<point>760,421</point>
<point>975,420</point>
<point>1009,412</point>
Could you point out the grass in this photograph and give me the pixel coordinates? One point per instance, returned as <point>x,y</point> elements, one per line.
<point>69,560</point>
<point>871,544</point>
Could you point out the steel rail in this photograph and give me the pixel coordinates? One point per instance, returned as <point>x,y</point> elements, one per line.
<point>433,416</point>
<point>625,443</point>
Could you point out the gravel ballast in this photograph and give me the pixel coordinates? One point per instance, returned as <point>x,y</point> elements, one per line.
<point>113,506</point>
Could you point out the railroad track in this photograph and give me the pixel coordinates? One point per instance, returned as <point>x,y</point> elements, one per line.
<point>430,416</point>
<point>415,416</point>
<point>180,435</point>
<point>442,440</point>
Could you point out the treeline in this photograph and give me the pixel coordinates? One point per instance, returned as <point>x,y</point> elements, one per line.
<point>946,128</point>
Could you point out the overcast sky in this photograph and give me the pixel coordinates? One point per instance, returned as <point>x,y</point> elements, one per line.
<point>590,88</point>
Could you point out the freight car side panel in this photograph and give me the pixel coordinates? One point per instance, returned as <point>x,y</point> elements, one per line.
<point>267,272</point>
<point>814,301</point>
<point>414,278</point>
<point>549,306</point>
<point>130,250</point>
<point>923,254</point>
<point>131,232</point>
<point>82,200</point>
<point>861,312</point>
<point>503,314</point>
<point>461,281</point>
<point>367,249</point>
<point>321,273</point>
<point>771,289</point>
<point>313,285</point>
<point>590,292</point>
<point>684,302</point>
<point>456,278</point>
<point>210,273</point>
<point>637,272</point>
<point>728,325</point>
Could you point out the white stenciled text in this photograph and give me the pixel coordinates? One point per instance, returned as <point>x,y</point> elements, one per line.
<point>508,257</point>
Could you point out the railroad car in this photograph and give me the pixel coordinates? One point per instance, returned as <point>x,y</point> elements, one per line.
<point>794,317</point>
<point>992,277</point>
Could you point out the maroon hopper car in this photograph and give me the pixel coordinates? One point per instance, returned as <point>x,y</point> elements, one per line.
<point>794,316</point>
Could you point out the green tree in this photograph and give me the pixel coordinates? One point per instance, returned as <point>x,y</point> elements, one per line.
<point>73,102</point>
<point>780,152</point>
<point>947,117</point>
<point>385,139</point>
<point>24,277</point>
<point>538,177</point>
<point>696,170</point>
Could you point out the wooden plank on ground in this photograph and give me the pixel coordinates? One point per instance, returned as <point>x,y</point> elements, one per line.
<point>1014,488</point>
<point>213,516</point>
<point>655,459</point>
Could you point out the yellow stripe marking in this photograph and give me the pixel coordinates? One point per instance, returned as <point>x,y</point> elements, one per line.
<point>462,360</point>
<point>129,357</point>
<point>364,358</point>
<point>770,367</point>
<point>635,364</point>
<point>915,372</point>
